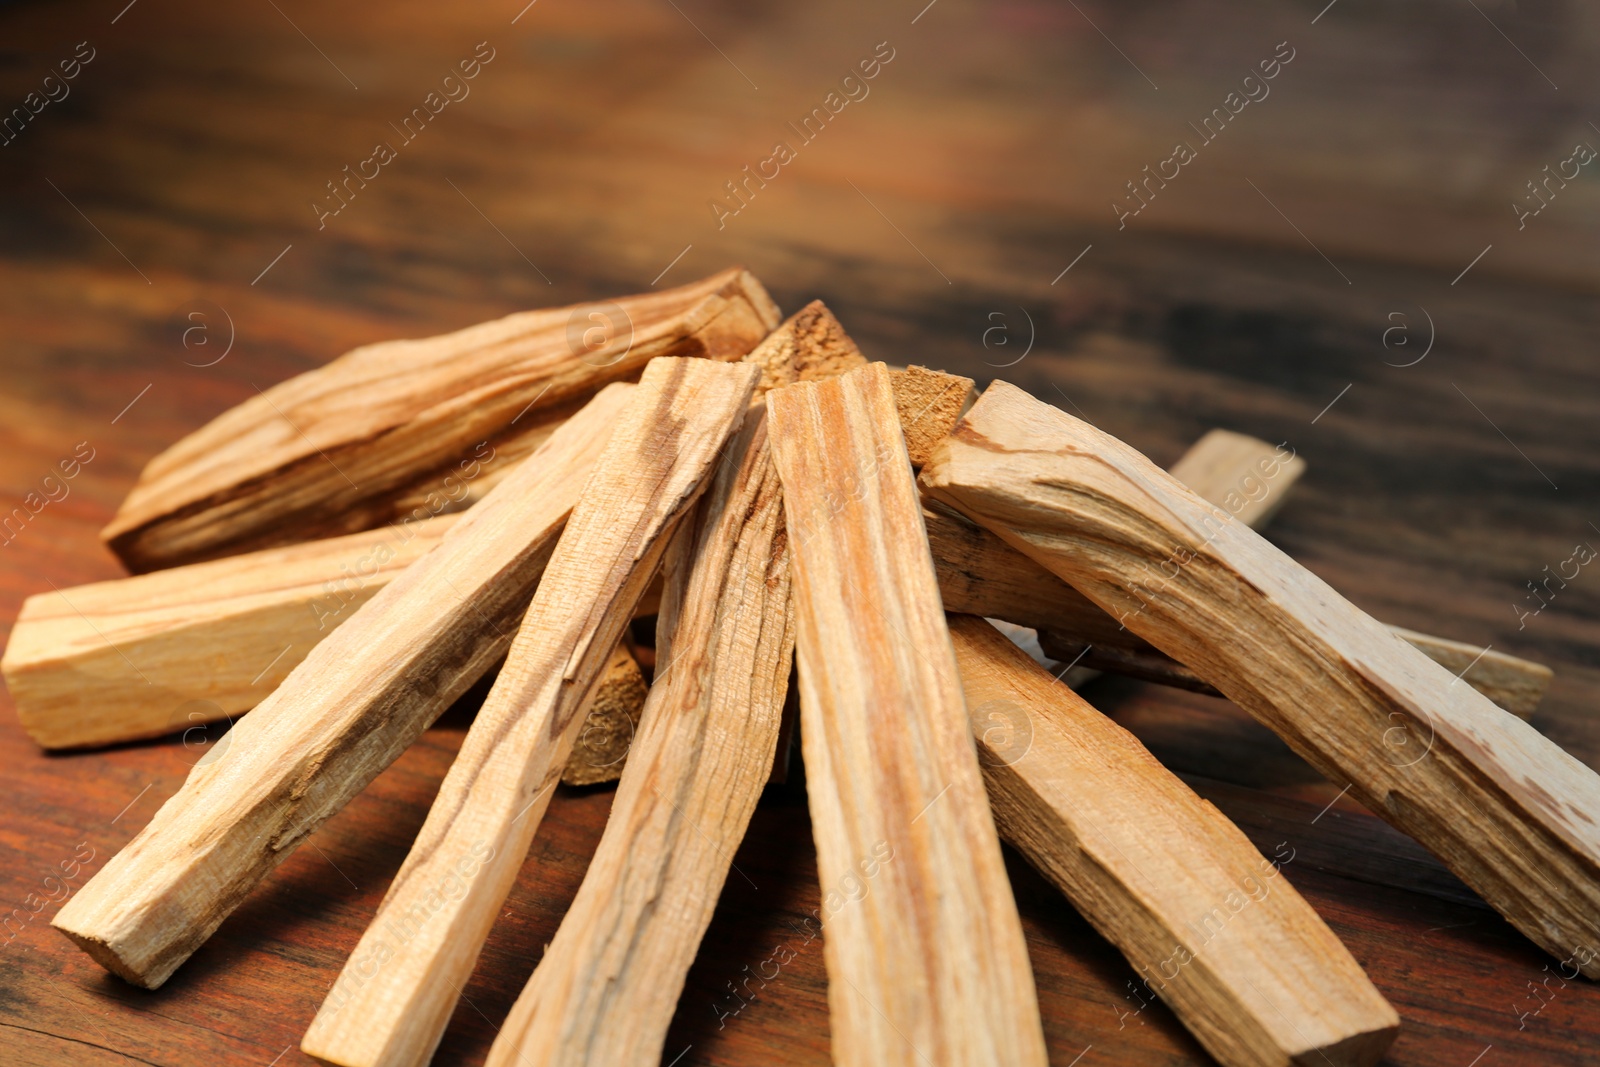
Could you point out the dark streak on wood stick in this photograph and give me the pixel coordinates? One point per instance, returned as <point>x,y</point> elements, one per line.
<point>607,986</point>
<point>395,995</point>
<point>339,719</point>
<point>928,966</point>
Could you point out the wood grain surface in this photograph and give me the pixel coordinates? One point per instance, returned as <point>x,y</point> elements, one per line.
<point>926,959</point>
<point>933,216</point>
<point>110,661</point>
<point>340,718</point>
<point>395,996</point>
<point>1140,856</point>
<point>379,435</point>
<point>606,987</point>
<point>1506,809</point>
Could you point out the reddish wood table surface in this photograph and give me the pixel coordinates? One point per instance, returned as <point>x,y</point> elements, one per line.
<point>175,186</point>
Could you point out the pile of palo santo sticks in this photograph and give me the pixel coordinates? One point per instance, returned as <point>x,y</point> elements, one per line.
<point>353,549</point>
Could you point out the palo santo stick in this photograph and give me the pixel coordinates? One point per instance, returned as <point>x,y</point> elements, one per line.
<point>1239,956</point>
<point>1500,804</point>
<point>394,997</point>
<point>157,653</point>
<point>607,986</point>
<point>1243,475</point>
<point>144,656</point>
<point>979,574</point>
<point>930,403</point>
<point>359,442</point>
<point>928,966</point>
<point>339,719</point>
<point>1514,684</point>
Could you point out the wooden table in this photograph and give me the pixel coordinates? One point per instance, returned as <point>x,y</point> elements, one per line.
<point>173,191</point>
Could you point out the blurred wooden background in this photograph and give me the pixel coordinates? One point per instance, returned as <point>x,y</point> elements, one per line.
<point>173,187</point>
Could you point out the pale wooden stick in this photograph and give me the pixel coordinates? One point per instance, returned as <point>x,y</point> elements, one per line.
<point>607,986</point>
<point>339,719</point>
<point>1501,805</point>
<point>144,656</point>
<point>1205,920</point>
<point>929,403</point>
<point>407,427</point>
<point>928,966</point>
<point>394,997</point>
<point>172,650</point>
<point>1243,475</point>
<point>156,653</point>
<point>810,346</point>
<point>979,574</point>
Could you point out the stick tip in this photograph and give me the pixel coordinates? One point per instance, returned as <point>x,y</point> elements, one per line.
<point>102,952</point>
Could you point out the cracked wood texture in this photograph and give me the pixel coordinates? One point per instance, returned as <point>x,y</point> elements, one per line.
<point>607,986</point>
<point>199,643</point>
<point>980,574</point>
<point>177,649</point>
<point>380,432</point>
<point>182,648</point>
<point>394,997</point>
<point>1505,808</point>
<point>926,960</point>
<point>342,716</point>
<point>1206,921</point>
<point>995,141</point>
